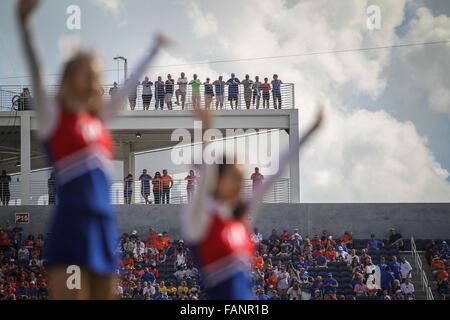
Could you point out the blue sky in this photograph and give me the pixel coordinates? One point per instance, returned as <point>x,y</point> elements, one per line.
<point>398,95</point>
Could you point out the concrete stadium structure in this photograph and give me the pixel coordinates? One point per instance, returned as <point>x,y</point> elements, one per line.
<point>18,144</point>
<point>423,221</point>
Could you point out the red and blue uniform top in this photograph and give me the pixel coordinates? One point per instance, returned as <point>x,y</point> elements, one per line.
<point>222,247</point>
<point>80,149</point>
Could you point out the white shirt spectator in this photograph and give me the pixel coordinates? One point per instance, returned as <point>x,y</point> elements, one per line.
<point>407,288</point>
<point>282,280</point>
<point>180,274</point>
<point>128,247</point>
<point>23,254</point>
<point>257,238</point>
<point>341,253</point>
<point>350,258</point>
<point>181,259</point>
<point>139,251</point>
<point>405,269</point>
<point>182,82</point>
<point>294,294</point>
<point>118,290</point>
<point>150,289</point>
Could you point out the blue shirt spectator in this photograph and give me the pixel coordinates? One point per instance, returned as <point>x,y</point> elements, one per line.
<point>321,260</point>
<point>233,86</point>
<point>395,267</point>
<point>330,285</point>
<point>160,88</point>
<point>373,243</point>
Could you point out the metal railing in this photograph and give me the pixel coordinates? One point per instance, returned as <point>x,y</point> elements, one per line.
<point>12,98</point>
<point>420,271</point>
<point>39,192</point>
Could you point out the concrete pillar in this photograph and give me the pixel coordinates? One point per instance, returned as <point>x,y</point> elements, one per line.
<point>129,162</point>
<point>294,163</point>
<point>25,158</point>
<point>129,165</point>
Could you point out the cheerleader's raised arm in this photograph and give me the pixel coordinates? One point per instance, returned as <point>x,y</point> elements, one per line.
<point>45,108</point>
<point>262,189</point>
<point>195,217</point>
<point>119,98</point>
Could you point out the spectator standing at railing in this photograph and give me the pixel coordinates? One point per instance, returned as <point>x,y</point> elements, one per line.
<point>145,179</point>
<point>5,193</point>
<point>159,93</point>
<point>114,89</point>
<point>190,185</point>
<point>147,93</point>
<point>256,92</point>
<point>181,91</point>
<point>157,187</point>
<point>247,83</point>
<point>257,179</point>
<point>219,86</point>
<point>233,90</point>
<point>195,84</point>
<point>167,184</point>
<point>25,100</point>
<point>128,188</point>
<point>132,95</point>
<point>51,186</point>
<point>276,91</point>
<point>209,93</point>
<point>170,84</point>
<point>265,87</point>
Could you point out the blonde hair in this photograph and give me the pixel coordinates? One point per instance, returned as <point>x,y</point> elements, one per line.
<point>65,95</point>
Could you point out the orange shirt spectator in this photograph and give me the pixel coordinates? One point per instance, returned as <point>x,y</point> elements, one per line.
<point>160,243</point>
<point>437,264</point>
<point>316,253</point>
<point>273,280</point>
<point>128,262</point>
<point>150,239</point>
<point>166,239</point>
<point>4,240</point>
<point>442,276</point>
<point>166,181</point>
<point>265,87</point>
<point>260,263</point>
<point>330,254</point>
<point>257,178</point>
<point>346,238</point>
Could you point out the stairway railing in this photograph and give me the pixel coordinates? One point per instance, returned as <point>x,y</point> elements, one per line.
<point>420,271</point>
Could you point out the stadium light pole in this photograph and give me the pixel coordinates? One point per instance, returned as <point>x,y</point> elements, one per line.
<point>125,63</point>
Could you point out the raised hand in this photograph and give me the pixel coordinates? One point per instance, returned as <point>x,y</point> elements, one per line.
<point>25,8</point>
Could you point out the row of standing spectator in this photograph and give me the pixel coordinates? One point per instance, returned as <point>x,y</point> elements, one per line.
<point>164,92</point>
<point>162,184</point>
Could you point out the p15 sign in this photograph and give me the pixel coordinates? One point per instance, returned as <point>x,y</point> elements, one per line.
<point>22,218</point>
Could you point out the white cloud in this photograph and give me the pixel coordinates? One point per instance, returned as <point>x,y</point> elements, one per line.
<point>431,64</point>
<point>115,8</point>
<point>204,22</point>
<point>361,156</point>
<point>112,6</point>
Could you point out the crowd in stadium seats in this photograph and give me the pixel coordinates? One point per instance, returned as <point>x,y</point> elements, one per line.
<point>286,266</point>
<point>322,268</point>
<point>438,255</point>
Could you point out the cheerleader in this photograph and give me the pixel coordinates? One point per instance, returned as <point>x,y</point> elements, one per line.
<point>215,226</point>
<point>72,127</point>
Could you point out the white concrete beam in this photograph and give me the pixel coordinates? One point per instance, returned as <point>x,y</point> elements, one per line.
<point>294,163</point>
